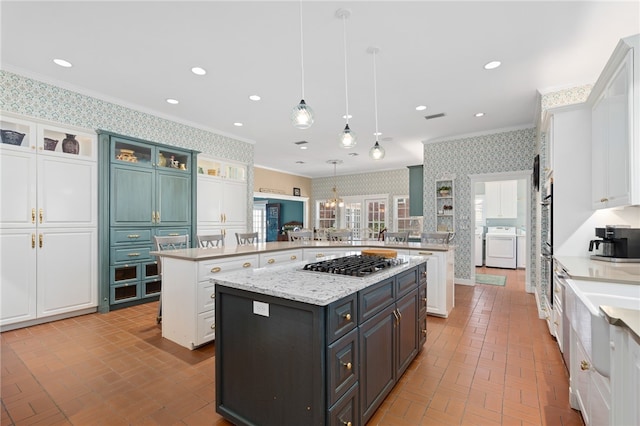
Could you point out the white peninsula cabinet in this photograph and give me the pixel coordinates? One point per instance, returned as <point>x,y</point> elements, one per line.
<point>625,377</point>
<point>48,223</point>
<point>615,101</point>
<point>222,198</point>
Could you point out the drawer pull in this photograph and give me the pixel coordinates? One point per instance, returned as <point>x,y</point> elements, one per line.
<point>41,214</point>
<point>347,317</point>
<point>270,261</point>
<point>33,240</point>
<point>133,236</point>
<point>246,265</point>
<point>347,423</point>
<point>173,234</point>
<point>348,365</point>
<point>319,255</point>
<point>424,274</point>
<point>213,295</point>
<point>425,300</point>
<point>604,200</point>
<point>133,254</point>
<point>33,215</point>
<point>556,323</point>
<point>40,240</point>
<point>216,269</point>
<point>584,365</point>
<point>294,257</point>
<point>425,253</point>
<point>213,326</point>
<point>424,332</point>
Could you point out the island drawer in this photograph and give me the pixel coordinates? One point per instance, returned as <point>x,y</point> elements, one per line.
<point>422,329</point>
<point>375,298</point>
<point>214,267</point>
<point>342,368</point>
<point>206,299</point>
<point>406,282</point>
<point>342,316</point>
<point>345,412</point>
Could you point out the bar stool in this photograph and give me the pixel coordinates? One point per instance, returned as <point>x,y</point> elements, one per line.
<point>207,241</point>
<point>245,238</point>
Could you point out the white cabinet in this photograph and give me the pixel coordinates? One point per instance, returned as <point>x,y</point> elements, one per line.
<point>48,224</point>
<point>625,377</point>
<point>312,254</point>
<point>222,198</point>
<point>615,101</point>
<point>501,199</point>
<point>440,282</point>
<point>277,258</point>
<point>521,251</point>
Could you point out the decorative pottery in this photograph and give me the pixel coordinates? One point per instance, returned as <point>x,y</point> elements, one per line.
<point>183,166</point>
<point>70,145</point>
<point>12,137</point>
<point>162,160</point>
<point>200,170</point>
<point>50,144</point>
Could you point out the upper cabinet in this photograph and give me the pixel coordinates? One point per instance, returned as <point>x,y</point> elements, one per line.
<point>501,199</point>
<point>615,101</point>
<point>416,190</point>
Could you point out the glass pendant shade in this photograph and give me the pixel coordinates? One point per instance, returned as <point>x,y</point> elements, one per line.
<point>302,116</point>
<point>348,138</point>
<point>376,152</point>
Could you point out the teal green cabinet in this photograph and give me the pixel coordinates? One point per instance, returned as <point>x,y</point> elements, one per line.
<point>147,189</point>
<point>416,190</point>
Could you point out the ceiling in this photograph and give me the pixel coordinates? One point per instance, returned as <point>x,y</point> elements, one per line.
<point>431,53</point>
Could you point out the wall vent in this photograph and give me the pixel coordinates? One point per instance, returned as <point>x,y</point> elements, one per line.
<point>431,117</point>
<point>301,142</point>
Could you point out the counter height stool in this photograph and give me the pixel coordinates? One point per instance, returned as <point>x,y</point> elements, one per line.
<point>244,238</point>
<point>437,237</point>
<point>303,235</point>
<point>341,235</point>
<point>207,241</point>
<point>396,237</point>
<point>168,243</point>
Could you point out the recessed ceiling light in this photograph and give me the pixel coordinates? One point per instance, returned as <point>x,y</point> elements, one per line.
<point>254,97</point>
<point>492,65</point>
<point>479,114</point>
<point>238,124</point>
<point>172,101</point>
<point>421,107</point>
<point>198,71</point>
<point>62,63</point>
<point>349,116</point>
<point>304,147</point>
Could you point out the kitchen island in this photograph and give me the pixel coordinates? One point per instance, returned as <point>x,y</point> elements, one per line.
<point>304,347</point>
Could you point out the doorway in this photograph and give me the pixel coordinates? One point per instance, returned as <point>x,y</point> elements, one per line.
<point>521,221</point>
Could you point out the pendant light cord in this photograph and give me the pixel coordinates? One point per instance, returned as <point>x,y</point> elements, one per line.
<point>301,51</point>
<point>375,93</point>
<point>346,86</point>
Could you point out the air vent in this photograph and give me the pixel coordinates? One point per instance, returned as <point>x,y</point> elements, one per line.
<point>431,117</point>
<point>301,143</point>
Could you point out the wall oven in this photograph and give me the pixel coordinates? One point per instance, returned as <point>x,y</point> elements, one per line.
<point>546,250</point>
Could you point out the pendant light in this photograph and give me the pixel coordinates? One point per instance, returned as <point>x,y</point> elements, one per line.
<point>377,151</point>
<point>335,201</point>
<point>347,137</point>
<point>302,114</point>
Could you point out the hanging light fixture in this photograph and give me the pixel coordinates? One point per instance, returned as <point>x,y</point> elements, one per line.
<point>347,136</point>
<point>377,151</point>
<point>302,114</point>
<point>335,201</point>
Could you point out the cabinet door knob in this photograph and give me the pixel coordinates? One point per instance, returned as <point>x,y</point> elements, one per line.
<point>346,423</point>
<point>347,365</point>
<point>213,326</point>
<point>213,295</point>
<point>270,261</point>
<point>246,265</point>
<point>216,269</point>
<point>347,317</point>
<point>319,255</point>
<point>584,365</point>
<point>294,257</point>
<point>424,332</point>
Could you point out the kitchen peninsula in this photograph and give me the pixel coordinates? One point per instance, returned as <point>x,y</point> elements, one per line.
<point>188,278</point>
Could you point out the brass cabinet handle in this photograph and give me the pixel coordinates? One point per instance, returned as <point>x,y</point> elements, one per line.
<point>399,315</point>
<point>293,257</point>
<point>33,215</point>
<point>270,261</point>
<point>33,240</point>
<point>213,295</point>
<point>556,323</point>
<point>584,365</point>
<point>153,217</point>
<point>246,265</point>
<point>216,269</point>
<point>173,234</point>
<point>395,314</point>
<point>40,240</point>
<point>319,255</point>
<point>133,236</point>
<point>604,200</point>
<point>221,220</point>
<point>348,365</point>
<point>225,217</point>
<point>425,253</point>
<point>347,317</point>
<point>157,217</point>
<point>41,214</point>
<point>133,254</point>
<point>213,326</point>
<point>424,332</point>
<point>346,423</point>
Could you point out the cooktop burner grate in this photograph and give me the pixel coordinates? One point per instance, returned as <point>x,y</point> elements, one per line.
<point>356,265</point>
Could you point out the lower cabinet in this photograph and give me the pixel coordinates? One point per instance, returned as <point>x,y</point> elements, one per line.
<point>625,377</point>
<point>277,258</point>
<point>280,361</point>
<point>441,289</point>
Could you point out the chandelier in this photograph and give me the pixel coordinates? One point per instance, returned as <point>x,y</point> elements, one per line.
<point>335,201</point>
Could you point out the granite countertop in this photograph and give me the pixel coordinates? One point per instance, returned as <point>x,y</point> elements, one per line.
<point>625,318</point>
<point>584,268</point>
<point>197,254</point>
<point>316,288</point>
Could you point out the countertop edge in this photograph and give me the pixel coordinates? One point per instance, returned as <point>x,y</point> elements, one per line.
<point>587,269</point>
<point>625,318</point>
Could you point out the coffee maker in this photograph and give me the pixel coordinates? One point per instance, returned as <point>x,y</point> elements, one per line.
<point>618,243</point>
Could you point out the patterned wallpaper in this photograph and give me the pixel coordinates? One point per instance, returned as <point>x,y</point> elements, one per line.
<point>565,97</point>
<point>493,153</point>
<point>25,96</point>
<point>392,182</point>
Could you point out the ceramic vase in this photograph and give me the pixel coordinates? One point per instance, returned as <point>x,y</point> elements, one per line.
<point>70,145</point>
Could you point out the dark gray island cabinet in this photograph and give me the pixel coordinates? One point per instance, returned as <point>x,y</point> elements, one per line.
<point>285,360</point>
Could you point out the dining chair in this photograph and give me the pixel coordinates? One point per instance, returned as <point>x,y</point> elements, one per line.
<point>341,235</point>
<point>302,235</point>
<point>168,243</point>
<point>208,241</point>
<point>396,237</point>
<point>244,238</point>
<point>437,237</point>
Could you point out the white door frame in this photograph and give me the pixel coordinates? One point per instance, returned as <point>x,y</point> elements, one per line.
<point>492,177</point>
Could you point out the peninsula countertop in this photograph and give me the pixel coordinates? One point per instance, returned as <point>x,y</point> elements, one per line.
<point>317,288</point>
<point>197,254</point>
<point>584,268</point>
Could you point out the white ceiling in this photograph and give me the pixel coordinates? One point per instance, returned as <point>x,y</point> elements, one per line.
<point>432,53</point>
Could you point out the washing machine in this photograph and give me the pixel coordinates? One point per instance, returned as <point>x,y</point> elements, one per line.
<point>478,245</point>
<point>500,250</point>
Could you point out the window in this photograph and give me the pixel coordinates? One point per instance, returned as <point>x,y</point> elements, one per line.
<point>364,215</point>
<point>403,222</point>
<point>353,218</point>
<point>260,219</point>
<point>325,215</point>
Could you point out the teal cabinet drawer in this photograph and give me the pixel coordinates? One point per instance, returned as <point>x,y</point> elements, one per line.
<point>131,236</point>
<point>125,293</point>
<point>151,288</point>
<point>131,254</point>
<point>127,273</point>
